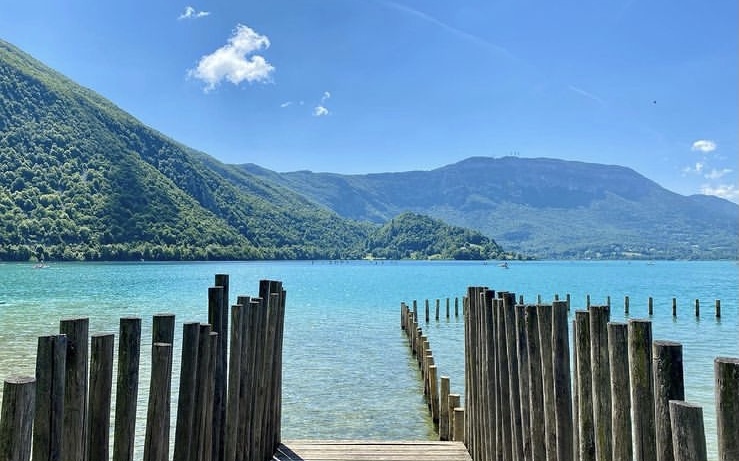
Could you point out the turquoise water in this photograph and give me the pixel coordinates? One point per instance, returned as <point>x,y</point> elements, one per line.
<point>347,369</point>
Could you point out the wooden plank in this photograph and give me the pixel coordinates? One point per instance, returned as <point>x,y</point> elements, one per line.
<point>348,450</point>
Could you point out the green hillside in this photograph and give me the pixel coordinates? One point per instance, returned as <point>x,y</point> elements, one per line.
<point>82,180</point>
<point>414,236</point>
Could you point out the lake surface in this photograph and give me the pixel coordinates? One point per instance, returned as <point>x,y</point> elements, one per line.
<point>348,372</point>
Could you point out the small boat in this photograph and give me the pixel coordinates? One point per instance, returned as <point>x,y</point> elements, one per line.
<point>504,265</point>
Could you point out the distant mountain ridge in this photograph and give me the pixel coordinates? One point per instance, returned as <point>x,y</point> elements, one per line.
<point>543,207</point>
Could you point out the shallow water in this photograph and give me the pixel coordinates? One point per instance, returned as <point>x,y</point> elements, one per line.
<point>347,369</point>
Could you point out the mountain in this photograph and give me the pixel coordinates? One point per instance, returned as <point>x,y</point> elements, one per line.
<point>541,207</point>
<point>82,180</point>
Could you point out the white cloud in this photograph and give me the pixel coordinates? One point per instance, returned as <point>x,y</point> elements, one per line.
<point>326,96</point>
<point>192,13</point>
<point>697,169</point>
<point>704,145</point>
<point>727,191</point>
<point>716,174</point>
<point>235,60</point>
<point>320,111</point>
<point>286,104</point>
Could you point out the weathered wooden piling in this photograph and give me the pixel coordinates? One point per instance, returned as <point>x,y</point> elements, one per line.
<point>642,389</point>
<point>101,384</point>
<point>667,359</point>
<point>601,381</point>
<point>726,372</point>
<point>544,317</point>
<point>523,380</point>
<point>49,415</point>
<point>156,443</point>
<point>75,388</point>
<point>688,434</point>
<point>718,308</point>
<point>536,403</point>
<point>511,339</point>
<point>444,408</point>
<point>185,437</point>
<point>218,318</point>
<point>16,418</point>
<point>234,383</point>
<point>459,424</point>
<point>562,381</point>
<point>586,431</point>
<point>454,402</point>
<point>621,441</point>
<point>127,388</point>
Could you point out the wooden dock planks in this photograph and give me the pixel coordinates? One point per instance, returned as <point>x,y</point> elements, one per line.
<point>349,450</point>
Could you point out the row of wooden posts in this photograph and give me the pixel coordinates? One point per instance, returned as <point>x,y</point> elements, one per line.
<point>627,306</point>
<point>626,402</point>
<point>445,407</point>
<point>229,405</point>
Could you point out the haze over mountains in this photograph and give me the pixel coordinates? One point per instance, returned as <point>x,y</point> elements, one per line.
<point>81,179</point>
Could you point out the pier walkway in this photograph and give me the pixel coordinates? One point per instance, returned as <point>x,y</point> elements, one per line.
<point>363,450</point>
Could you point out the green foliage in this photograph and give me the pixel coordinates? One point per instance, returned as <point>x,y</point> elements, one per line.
<point>413,236</point>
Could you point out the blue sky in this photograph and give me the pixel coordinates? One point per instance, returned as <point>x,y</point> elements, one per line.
<point>361,86</point>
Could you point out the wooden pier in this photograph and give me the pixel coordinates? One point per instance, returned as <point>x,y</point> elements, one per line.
<point>363,450</point>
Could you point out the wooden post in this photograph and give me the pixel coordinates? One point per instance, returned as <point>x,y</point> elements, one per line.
<point>437,309</point>
<point>434,393</point>
<point>16,418</point>
<point>674,307</point>
<point>569,304</point>
<point>127,388</point>
<point>523,380</point>
<point>642,389</point>
<point>575,392</point>
<point>650,307</point>
<point>504,414</point>
<point>234,383</point>
<point>544,317</point>
<point>718,308</point>
<point>454,401</point>
<point>49,418</point>
<point>444,409</point>
<point>456,307</point>
<point>688,434</point>
<point>668,385</point>
<point>726,372</point>
<point>599,317</point>
<point>218,319</point>
<point>198,450</point>
<point>626,305</point>
<point>75,388</point>
<point>459,435</point>
<point>427,311</point>
<point>162,330</point>
<point>620,395</point>
<point>156,443</point>
<point>186,409</point>
<point>697,308</point>
<point>101,384</point>
<point>586,432</point>
<point>536,402</point>
<point>511,338</point>
<point>562,381</point>
<point>447,308</point>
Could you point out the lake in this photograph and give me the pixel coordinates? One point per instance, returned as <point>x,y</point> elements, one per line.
<point>348,372</point>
